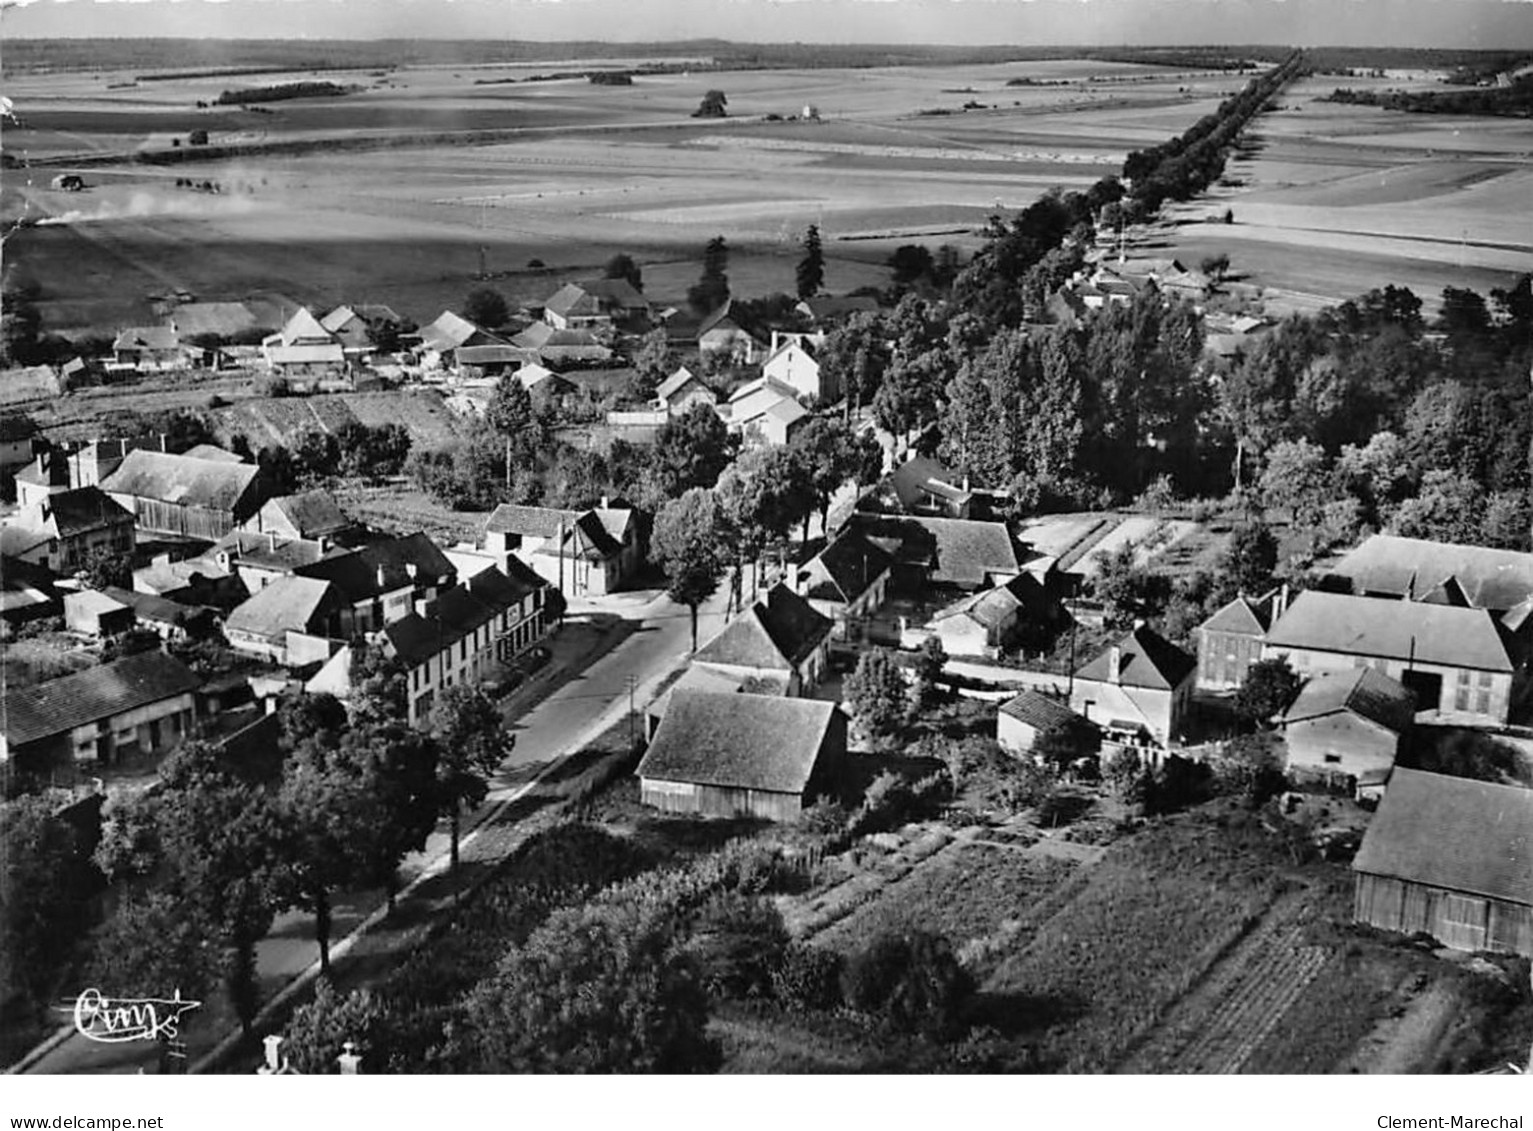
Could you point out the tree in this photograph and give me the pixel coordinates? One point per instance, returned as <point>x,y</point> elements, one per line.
<point>912,981</point>
<point>472,742</point>
<point>1215,267</point>
<point>910,263</point>
<point>652,362</point>
<point>150,941</point>
<point>691,450</point>
<point>378,685</point>
<point>487,307</point>
<point>402,772</point>
<point>877,694</point>
<point>1296,477</point>
<point>931,658</point>
<point>1250,559</point>
<point>197,137</point>
<point>318,1032</point>
<point>623,266</point>
<point>712,105</point>
<point>510,414</point>
<point>1269,687</point>
<point>1449,508</point>
<point>853,357</point>
<point>830,455</point>
<point>811,268</point>
<point>106,568</point>
<point>688,541</point>
<point>738,941</point>
<point>711,291</point>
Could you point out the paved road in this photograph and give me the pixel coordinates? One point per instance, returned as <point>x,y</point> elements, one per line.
<point>655,640</point>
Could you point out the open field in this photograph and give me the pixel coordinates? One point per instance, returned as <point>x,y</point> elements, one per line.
<point>564,172</point>
<point>1334,200</point>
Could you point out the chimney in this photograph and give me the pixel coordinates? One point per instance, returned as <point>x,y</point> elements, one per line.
<point>1282,602</point>
<point>382,577</point>
<point>1114,664</point>
<point>162,441</point>
<point>349,1061</point>
<point>411,570</point>
<point>273,1045</point>
<point>606,502</point>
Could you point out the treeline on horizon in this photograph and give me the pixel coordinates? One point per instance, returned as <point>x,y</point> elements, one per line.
<point>1515,101</point>
<point>184,58</point>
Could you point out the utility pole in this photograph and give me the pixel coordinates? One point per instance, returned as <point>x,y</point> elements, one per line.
<point>633,685</point>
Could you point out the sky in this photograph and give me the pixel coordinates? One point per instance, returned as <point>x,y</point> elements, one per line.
<point>1420,23</point>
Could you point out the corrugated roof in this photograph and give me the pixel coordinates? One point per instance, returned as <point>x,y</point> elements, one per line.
<point>1454,833</point>
<point>1389,629</point>
<point>1367,692</point>
<point>210,484</point>
<point>1491,579</point>
<point>779,631</point>
<point>1145,659</point>
<point>739,741</point>
<point>60,705</point>
<point>289,602</point>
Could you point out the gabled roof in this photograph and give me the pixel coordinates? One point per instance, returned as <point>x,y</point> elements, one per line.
<point>739,741</point>
<point>1243,615</point>
<point>70,513</point>
<point>572,299</point>
<point>168,577</point>
<point>1454,833</point>
<point>312,514</point>
<point>148,338</point>
<point>793,342</point>
<point>304,329</point>
<point>718,318</point>
<point>958,551</point>
<point>148,607</point>
<point>779,631</point>
<point>851,565</point>
<point>383,567</point>
<point>455,615</point>
<point>185,480</point>
<point>1145,659</point>
<point>616,292</point>
<point>678,381</point>
<point>222,318</point>
<point>1365,692</point>
<point>1413,567</point>
<point>1042,711</point>
<point>921,476</point>
<point>1389,629</point>
<point>595,534</point>
<point>290,602</point>
<point>59,705</point>
<point>451,331</point>
<point>531,375</point>
<point>213,452</point>
<point>992,608</point>
<point>763,384</point>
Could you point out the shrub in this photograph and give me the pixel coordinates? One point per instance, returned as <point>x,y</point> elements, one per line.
<point>808,978</point>
<point>739,942</point>
<point>892,800</point>
<point>911,981</point>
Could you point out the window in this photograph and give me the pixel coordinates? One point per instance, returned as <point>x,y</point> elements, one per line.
<point>1461,699</point>
<point>1333,759</point>
<point>1482,702</point>
<point>1485,679</point>
<point>1463,677</point>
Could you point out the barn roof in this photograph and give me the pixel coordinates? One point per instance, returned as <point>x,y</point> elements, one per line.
<point>70,701</point>
<point>1145,659</point>
<point>288,602</point>
<point>450,331</point>
<point>184,480</point>
<point>148,338</point>
<point>1392,629</point>
<point>616,292</point>
<point>993,607</point>
<point>1041,711</point>
<point>739,741</point>
<point>779,631</point>
<point>678,381</point>
<point>1454,833</point>
<point>304,329</point>
<point>489,355</point>
<point>572,299</point>
<point>310,513</point>
<point>1366,692</point>
<point>1412,567</point>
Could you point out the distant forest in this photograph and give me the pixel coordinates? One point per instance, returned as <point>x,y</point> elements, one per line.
<point>227,56</point>
<point>1515,101</point>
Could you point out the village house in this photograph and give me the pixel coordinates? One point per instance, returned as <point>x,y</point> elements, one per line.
<point>584,553</point>
<point>984,623</point>
<point>169,620</point>
<point>290,621</point>
<point>185,497</point>
<point>721,335</point>
<point>27,593</point>
<point>941,553</point>
<point>190,581</point>
<point>1449,857</point>
<point>825,309</point>
<point>472,363</point>
<point>1231,640</point>
<point>20,440</point>
<point>846,582</point>
<point>1025,719</point>
<point>96,614</point>
<point>1456,660</point>
<point>1137,691</point>
<point>64,529</point>
<point>921,486</point>
<point>441,340</point>
<point>148,349</point>
<point>681,390</point>
<point>595,304</point>
<point>561,348</point>
<point>545,386</point>
<point>308,514</point>
<point>728,755</point>
<point>621,301</point>
<point>303,348</point>
<point>259,559</point>
<point>793,360</point>
<point>356,327</point>
<point>718,681</point>
<point>381,582</point>
<point>1413,569</point>
<point>779,637</point>
<point>109,715</point>
<point>49,473</point>
<point>764,411</point>
<point>1345,728</point>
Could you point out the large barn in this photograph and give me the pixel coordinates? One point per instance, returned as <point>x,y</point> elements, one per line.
<point>185,496</point>
<point>1452,858</point>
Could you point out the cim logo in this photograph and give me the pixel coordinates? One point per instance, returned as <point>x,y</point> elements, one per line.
<point>117,1020</point>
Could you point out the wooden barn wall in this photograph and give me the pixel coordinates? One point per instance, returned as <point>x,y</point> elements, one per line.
<point>718,801</point>
<point>1398,905</point>
<point>192,522</point>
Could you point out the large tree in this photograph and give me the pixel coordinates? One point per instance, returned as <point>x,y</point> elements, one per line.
<point>712,290</point>
<point>472,742</point>
<point>878,695</point>
<point>811,269</point>
<point>831,455</point>
<point>623,266</point>
<point>689,542</point>
<point>854,356</point>
<point>691,450</point>
<point>1269,687</point>
<point>487,307</point>
<point>1296,476</point>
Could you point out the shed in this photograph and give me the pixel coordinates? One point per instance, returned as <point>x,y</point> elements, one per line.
<point>96,614</point>
<point>729,754</point>
<point>1452,858</point>
<point>1026,718</point>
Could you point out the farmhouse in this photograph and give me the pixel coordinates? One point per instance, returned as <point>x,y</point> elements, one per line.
<point>356,328</point>
<point>575,346</point>
<point>582,552</point>
<point>186,497</point>
<point>726,755</point>
<point>722,681</point>
<point>287,620</point>
<point>259,559</point>
<point>619,299</point>
<point>95,614</point>
<point>19,435</point>
<point>681,390</point>
<point>1347,725</point>
<point>381,582</point>
<point>166,619</point>
<point>721,334</point>
<point>1138,691</point>
<point>149,349</point>
<point>793,360</point>
<point>303,348</point>
<point>1389,566</point>
<point>922,486</point>
<point>846,582</point>
<point>765,411</point>
<point>200,581</point>
<point>1230,641</point>
<point>308,514</point>
<point>62,531</point>
<point>1454,659</point>
<point>1451,858</point>
<point>108,715</point>
<point>487,361</point>
<point>982,623</point>
<point>945,552</point>
<point>822,309</point>
<point>1026,718</point>
<point>50,473</point>
<point>779,637</point>
<point>441,340</point>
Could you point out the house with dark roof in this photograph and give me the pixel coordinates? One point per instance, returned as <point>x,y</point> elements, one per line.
<point>1414,569</point>
<point>823,309</point>
<point>382,581</point>
<point>846,583</point>
<point>728,755</point>
<point>27,593</point>
<point>310,514</point>
<point>721,334</point>
<point>1451,858</point>
<point>984,623</point>
<point>109,715</point>
<point>169,620</point>
<point>585,553</point>
<point>781,636</point>
<point>440,340</point>
<point>622,302</point>
<point>191,581</point>
<point>721,681</point>
<point>62,531</point>
<point>50,472</point>
<point>185,497</point>
<point>561,348</point>
<point>1231,640</point>
<point>922,486</point>
<point>681,390</point>
<point>354,326</point>
<point>1458,661</point>
<point>1347,725</point>
<point>1025,718</point>
<point>20,439</point>
<point>594,304</point>
<point>1138,691</point>
<point>288,620</point>
<point>951,553</point>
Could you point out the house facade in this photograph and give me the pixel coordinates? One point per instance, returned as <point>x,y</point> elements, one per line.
<point>780,637</point>
<point>847,582</point>
<point>303,348</point>
<point>721,335</point>
<point>1138,692</point>
<point>64,529</point>
<point>681,390</point>
<point>792,360</point>
<point>584,553</point>
<point>1026,718</point>
<point>381,582</point>
<point>1231,640</point>
<point>288,621</point>
<point>1346,727</point>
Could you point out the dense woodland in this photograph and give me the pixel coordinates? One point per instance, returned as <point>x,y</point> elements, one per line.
<point>1514,101</point>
